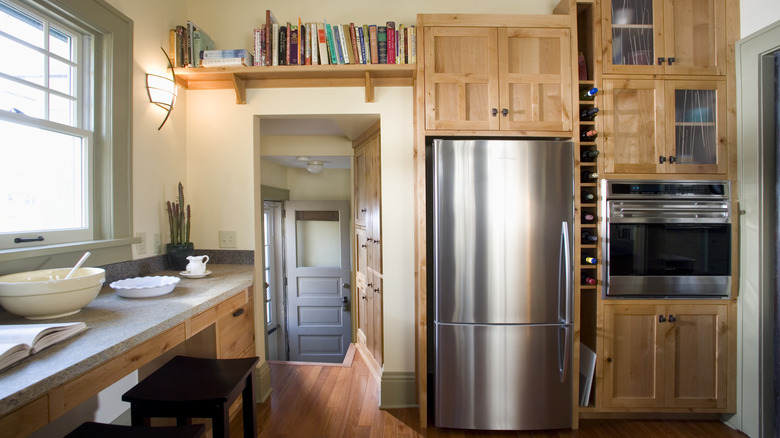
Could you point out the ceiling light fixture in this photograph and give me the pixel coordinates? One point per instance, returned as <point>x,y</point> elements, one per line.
<point>314,166</point>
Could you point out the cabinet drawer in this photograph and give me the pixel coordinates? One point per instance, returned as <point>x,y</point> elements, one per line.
<point>212,315</point>
<point>236,332</point>
<point>26,419</point>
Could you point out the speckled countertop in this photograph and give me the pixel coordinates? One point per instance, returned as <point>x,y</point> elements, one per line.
<point>114,326</point>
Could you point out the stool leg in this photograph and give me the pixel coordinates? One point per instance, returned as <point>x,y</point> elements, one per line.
<point>220,422</point>
<point>249,408</point>
<point>136,419</point>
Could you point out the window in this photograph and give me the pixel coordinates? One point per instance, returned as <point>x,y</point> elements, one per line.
<point>45,171</point>
<point>67,95</point>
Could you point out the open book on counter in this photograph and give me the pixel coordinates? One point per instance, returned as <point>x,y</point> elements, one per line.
<point>18,341</point>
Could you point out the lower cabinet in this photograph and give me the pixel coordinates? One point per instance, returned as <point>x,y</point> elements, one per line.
<point>666,356</point>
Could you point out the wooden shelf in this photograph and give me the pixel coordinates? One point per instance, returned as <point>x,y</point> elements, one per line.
<point>294,76</point>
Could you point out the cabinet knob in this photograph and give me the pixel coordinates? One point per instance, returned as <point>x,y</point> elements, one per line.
<point>661,60</point>
<point>495,112</point>
<point>376,241</point>
<point>363,210</point>
<point>661,318</point>
<point>238,312</point>
<point>362,245</point>
<point>671,60</point>
<point>661,159</point>
<point>672,318</point>
<point>672,159</point>
<point>376,289</point>
<point>504,112</point>
<point>609,359</point>
<point>364,297</point>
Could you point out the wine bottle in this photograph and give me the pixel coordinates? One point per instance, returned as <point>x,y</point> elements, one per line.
<point>588,115</point>
<point>589,135</point>
<point>589,155</point>
<point>589,260</point>
<point>586,279</point>
<point>588,237</point>
<point>588,176</point>
<point>589,94</point>
<point>587,196</point>
<point>587,217</point>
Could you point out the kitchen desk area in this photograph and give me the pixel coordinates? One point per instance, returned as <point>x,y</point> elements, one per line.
<point>210,316</point>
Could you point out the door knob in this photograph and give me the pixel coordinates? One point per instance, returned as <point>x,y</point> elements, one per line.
<point>345,286</point>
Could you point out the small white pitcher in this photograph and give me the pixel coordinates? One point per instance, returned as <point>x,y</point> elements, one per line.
<point>197,264</point>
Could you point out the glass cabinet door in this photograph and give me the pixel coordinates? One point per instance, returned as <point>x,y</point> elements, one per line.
<point>696,143</point>
<point>633,44</point>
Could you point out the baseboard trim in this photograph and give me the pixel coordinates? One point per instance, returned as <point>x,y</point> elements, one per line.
<point>262,382</point>
<point>398,390</point>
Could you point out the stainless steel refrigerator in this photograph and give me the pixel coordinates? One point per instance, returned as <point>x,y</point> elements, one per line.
<point>502,280</point>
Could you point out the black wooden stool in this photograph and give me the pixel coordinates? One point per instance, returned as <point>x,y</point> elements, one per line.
<point>100,430</point>
<point>190,387</point>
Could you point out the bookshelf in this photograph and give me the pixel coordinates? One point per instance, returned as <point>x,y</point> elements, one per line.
<point>240,79</point>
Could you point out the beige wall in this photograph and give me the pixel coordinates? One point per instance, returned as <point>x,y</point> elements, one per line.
<point>757,14</point>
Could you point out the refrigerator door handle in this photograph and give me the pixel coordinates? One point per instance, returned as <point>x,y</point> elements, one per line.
<point>564,263</point>
<point>564,350</point>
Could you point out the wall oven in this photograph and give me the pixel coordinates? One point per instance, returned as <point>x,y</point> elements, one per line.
<point>667,239</point>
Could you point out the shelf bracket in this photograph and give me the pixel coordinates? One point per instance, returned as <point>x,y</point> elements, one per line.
<point>240,86</point>
<point>369,88</point>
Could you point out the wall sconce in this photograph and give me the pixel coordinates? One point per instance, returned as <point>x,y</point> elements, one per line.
<point>162,91</point>
<point>313,166</point>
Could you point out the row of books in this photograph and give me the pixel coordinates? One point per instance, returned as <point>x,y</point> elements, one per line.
<point>321,44</point>
<point>187,44</point>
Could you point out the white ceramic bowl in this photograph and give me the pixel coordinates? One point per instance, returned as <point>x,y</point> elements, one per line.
<point>144,287</point>
<point>46,294</point>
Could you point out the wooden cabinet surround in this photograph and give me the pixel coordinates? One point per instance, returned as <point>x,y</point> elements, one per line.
<point>484,78</point>
<point>368,243</point>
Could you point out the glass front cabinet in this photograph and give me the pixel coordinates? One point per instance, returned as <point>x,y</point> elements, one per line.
<point>664,36</point>
<point>665,126</point>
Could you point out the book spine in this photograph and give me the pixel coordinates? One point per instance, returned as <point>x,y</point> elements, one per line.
<point>313,43</point>
<point>293,47</point>
<point>362,39</point>
<point>237,53</point>
<point>390,28</point>
<point>299,38</point>
<point>172,47</point>
<point>354,40</point>
<point>322,40</point>
<point>287,39</point>
<point>282,45</point>
<point>346,44</point>
<point>214,62</point>
<point>337,43</point>
<point>401,59</point>
<point>256,47</point>
<point>373,35</point>
<point>412,44</point>
<point>272,33</point>
<point>381,42</point>
<point>334,56</point>
<point>275,44</point>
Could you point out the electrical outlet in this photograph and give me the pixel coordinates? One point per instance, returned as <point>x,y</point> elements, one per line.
<point>157,243</point>
<point>227,239</point>
<point>140,247</point>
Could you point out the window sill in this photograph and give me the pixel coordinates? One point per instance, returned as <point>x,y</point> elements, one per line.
<point>62,255</point>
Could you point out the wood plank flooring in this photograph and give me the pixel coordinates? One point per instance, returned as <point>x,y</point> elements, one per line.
<point>329,401</point>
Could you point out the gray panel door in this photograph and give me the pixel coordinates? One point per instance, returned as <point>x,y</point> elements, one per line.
<point>317,269</point>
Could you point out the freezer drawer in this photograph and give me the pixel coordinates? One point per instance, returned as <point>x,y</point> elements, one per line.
<point>503,377</point>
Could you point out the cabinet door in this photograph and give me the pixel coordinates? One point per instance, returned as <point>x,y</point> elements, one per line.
<point>695,36</point>
<point>461,78</point>
<point>632,36</point>
<point>374,202</point>
<point>633,372</point>
<point>377,343</point>
<point>696,134</point>
<point>535,79</point>
<point>696,352</point>
<point>361,198</point>
<point>634,140</point>
<point>236,331</point>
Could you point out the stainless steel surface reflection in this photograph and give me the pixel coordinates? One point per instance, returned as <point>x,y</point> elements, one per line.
<point>502,282</point>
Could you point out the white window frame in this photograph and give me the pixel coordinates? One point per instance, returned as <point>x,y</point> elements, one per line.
<point>111,139</point>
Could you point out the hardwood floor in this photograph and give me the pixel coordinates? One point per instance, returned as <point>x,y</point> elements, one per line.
<point>330,401</point>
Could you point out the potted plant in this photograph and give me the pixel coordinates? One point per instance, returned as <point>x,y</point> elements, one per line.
<point>179,221</point>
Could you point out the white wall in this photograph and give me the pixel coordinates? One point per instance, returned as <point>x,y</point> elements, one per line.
<point>757,14</point>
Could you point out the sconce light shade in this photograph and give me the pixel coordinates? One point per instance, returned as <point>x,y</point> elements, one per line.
<point>161,90</point>
<point>314,166</point>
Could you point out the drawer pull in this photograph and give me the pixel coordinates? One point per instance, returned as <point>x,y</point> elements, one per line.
<point>238,312</point>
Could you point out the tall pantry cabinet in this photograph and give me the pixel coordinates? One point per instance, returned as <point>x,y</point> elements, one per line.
<point>368,243</point>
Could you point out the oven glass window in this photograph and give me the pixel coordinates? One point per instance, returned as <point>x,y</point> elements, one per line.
<point>669,249</point>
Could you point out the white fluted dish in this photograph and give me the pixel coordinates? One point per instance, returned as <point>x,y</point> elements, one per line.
<point>46,294</point>
<point>145,287</point>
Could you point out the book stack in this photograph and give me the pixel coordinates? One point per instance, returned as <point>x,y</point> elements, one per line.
<point>320,43</point>
<point>227,58</point>
<point>187,44</point>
